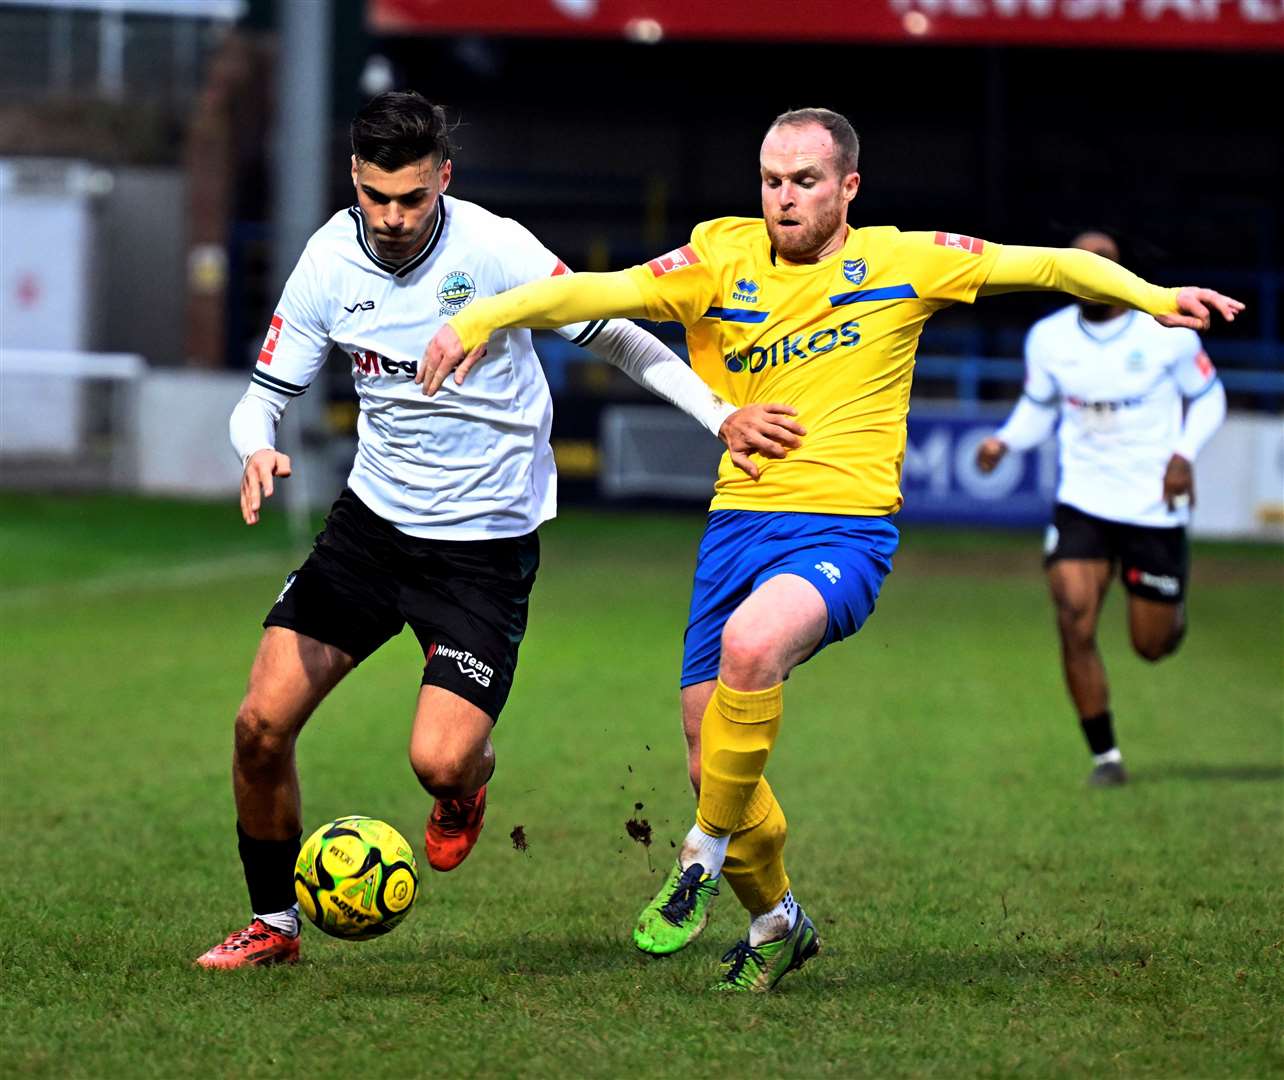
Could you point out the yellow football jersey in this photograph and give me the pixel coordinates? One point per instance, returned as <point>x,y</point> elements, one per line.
<point>835,339</point>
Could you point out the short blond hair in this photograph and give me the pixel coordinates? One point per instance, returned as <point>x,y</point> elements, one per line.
<point>846,141</point>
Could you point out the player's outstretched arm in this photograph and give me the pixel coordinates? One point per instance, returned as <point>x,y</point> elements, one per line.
<point>1028,425</point>
<point>1091,277</point>
<point>547,304</point>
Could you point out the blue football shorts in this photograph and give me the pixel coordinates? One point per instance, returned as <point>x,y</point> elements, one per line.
<point>845,557</point>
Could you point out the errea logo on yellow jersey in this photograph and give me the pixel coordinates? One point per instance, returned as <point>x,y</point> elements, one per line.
<point>794,348</point>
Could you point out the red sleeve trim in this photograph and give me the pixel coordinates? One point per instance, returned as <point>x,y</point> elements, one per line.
<point>559,269</point>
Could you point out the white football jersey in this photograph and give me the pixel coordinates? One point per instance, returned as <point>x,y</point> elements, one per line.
<point>471,462</point>
<point>1119,386</point>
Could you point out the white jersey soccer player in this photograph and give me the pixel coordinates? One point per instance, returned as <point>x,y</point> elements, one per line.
<point>1136,402</point>
<point>1119,388</point>
<point>437,527</point>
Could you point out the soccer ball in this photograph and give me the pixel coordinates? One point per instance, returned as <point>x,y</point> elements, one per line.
<point>356,878</point>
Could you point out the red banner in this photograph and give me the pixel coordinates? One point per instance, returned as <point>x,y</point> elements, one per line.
<point>1189,24</point>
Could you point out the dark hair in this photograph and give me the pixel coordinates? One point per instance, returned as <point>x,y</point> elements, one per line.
<point>846,141</point>
<point>398,128</point>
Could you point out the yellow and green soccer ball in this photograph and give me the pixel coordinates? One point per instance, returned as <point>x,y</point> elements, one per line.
<point>356,878</point>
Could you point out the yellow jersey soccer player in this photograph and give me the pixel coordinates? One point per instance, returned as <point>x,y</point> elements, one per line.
<point>797,308</point>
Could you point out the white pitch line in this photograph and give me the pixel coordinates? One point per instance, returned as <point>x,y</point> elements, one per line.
<point>204,572</point>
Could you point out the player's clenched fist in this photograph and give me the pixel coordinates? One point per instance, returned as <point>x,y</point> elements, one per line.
<point>990,453</point>
<point>256,481</point>
<point>445,353</point>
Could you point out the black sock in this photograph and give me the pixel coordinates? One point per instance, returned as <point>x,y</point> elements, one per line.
<point>1099,730</point>
<point>269,870</point>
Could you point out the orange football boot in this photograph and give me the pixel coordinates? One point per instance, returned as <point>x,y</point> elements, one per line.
<point>453,828</point>
<point>257,945</point>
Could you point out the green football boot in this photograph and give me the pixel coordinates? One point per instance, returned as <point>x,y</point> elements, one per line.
<point>678,913</point>
<point>759,969</point>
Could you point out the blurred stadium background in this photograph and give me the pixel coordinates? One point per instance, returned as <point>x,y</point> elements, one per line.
<point>162,163</point>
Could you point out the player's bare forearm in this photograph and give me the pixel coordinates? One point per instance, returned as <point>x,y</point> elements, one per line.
<point>257,481</point>
<point>1179,483</point>
<point>553,302</point>
<point>760,429</point>
<point>1091,277</point>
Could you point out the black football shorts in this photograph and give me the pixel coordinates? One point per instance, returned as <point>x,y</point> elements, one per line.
<point>465,600</point>
<point>1154,563</point>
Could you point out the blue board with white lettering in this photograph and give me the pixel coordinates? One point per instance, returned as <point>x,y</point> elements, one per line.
<point>941,483</point>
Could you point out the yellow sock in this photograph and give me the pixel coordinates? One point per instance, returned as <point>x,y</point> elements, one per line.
<point>755,863</point>
<point>736,735</point>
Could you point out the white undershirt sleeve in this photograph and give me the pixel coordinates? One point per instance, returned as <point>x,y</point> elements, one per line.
<point>253,423</point>
<point>1030,423</point>
<point>1204,415</point>
<point>648,362</point>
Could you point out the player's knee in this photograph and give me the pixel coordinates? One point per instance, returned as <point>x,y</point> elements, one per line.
<point>444,776</point>
<point>262,739</point>
<point>1076,622</point>
<point>749,653</point>
<point>1154,649</point>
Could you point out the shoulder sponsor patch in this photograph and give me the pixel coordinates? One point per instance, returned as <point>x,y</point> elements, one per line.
<point>970,244</point>
<point>269,342</point>
<point>674,260</point>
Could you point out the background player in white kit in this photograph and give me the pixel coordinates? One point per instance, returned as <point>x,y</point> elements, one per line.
<point>437,527</point>
<point>1137,402</point>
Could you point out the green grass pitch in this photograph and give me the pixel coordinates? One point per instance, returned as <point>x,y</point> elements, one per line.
<point>983,912</point>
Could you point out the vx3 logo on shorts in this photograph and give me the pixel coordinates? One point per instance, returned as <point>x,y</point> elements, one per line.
<point>469,666</point>
<point>360,305</point>
<point>797,347</point>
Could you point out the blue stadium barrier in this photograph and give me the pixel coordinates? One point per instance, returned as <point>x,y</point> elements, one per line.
<point>967,373</point>
<point>940,480</point>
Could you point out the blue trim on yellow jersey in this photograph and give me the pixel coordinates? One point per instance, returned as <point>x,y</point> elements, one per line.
<point>887,292</point>
<point>736,314</point>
